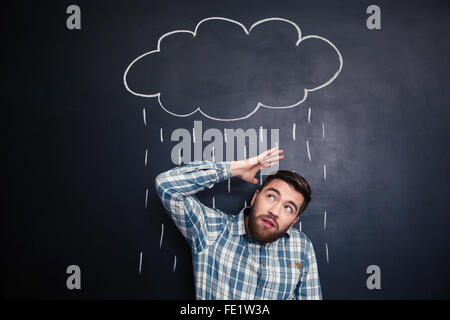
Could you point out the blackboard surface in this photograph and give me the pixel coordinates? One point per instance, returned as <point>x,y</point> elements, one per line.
<point>83,151</point>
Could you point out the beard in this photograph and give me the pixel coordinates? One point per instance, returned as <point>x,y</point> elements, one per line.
<point>259,232</point>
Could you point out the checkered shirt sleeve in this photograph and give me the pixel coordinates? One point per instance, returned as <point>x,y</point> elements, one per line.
<point>177,188</point>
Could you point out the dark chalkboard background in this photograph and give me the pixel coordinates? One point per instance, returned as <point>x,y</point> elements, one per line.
<point>75,146</point>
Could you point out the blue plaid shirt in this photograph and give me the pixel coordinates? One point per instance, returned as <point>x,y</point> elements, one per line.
<point>227,264</point>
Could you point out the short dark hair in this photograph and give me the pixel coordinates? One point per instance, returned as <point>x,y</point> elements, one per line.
<point>294,180</point>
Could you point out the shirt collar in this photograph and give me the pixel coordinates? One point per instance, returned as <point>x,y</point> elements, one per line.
<point>239,224</point>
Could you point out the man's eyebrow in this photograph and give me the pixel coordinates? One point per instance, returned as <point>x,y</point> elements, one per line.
<point>278,192</point>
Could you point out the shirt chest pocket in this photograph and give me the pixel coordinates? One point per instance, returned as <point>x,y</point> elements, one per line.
<point>283,278</point>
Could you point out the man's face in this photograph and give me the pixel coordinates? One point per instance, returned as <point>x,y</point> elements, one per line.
<point>274,210</point>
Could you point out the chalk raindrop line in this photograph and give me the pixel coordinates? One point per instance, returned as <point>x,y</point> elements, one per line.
<point>146,197</point>
<point>324,221</point>
<point>309,115</point>
<point>324,172</point>
<point>161,134</point>
<point>145,117</point>
<point>146,154</point>
<point>326,251</point>
<point>162,235</point>
<point>293,131</point>
<point>174,263</point>
<point>307,148</point>
<point>140,262</point>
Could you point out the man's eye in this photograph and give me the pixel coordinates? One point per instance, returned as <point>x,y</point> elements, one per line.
<point>289,209</point>
<point>271,197</point>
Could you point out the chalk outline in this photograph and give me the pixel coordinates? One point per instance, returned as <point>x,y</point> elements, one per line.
<point>194,33</point>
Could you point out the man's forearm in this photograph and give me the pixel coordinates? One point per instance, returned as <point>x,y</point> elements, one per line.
<point>190,179</point>
<point>176,188</point>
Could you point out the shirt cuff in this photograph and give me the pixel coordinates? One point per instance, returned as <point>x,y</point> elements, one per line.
<point>223,170</point>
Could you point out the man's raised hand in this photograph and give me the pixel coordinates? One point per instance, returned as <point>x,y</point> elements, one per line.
<point>247,169</point>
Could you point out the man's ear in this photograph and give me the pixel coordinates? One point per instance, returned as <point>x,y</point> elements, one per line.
<point>296,219</point>
<point>254,197</point>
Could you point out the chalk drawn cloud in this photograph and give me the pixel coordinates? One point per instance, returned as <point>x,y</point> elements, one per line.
<point>228,72</point>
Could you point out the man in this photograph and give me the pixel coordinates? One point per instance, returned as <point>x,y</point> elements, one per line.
<point>251,255</point>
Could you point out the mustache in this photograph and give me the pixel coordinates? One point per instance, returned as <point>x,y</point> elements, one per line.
<point>269,217</point>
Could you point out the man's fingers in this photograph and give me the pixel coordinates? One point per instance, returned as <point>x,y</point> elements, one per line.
<point>272,151</point>
<point>272,162</point>
<point>275,152</point>
<point>267,153</point>
<point>274,157</point>
<point>271,155</point>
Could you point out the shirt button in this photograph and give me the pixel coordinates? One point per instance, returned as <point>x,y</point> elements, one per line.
<point>261,286</point>
<point>222,168</point>
<point>289,265</point>
<point>264,264</point>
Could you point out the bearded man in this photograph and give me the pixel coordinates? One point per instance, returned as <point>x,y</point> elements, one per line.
<point>252,255</point>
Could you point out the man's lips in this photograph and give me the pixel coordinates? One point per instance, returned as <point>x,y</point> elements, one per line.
<point>269,223</point>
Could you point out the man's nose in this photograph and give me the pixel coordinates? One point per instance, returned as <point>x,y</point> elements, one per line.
<point>275,210</point>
